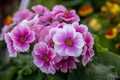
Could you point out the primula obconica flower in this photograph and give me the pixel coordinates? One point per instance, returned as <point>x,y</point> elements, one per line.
<point>44,57</point>
<point>55,38</point>
<point>68,42</point>
<point>22,36</point>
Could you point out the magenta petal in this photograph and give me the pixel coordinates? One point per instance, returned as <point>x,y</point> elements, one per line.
<point>89,39</point>
<point>31,37</point>
<point>21,15</point>
<point>40,48</point>
<point>11,49</point>
<point>64,68</point>
<point>85,59</point>
<point>22,47</point>
<point>72,65</point>
<point>16,33</point>
<point>91,52</point>
<point>58,8</point>
<point>38,62</point>
<point>44,68</point>
<point>39,9</point>
<point>76,59</point>
<point>51,69</point>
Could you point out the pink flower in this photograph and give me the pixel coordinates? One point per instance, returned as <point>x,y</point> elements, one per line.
<point>22,37</point>
<point>63,15</point>
<point>46,20</point>
<point>48,38</point>
<point>88,51</point>
<point>12,51</point>
<point>83,29</point>
<point>21,15</point>
<point>67,63</point>
<point>5,30</point>
<point>44,57</point>
<point>43,33</point>
<point>89,40</point>
<point>41,10</point>
<point>68,42</point>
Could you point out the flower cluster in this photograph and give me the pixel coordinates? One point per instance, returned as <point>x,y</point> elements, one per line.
<point>56,36</point>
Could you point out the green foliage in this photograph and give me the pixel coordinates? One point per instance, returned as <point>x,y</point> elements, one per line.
<point>104,56</point>
<point>47,3</point>
<point>93,72</point>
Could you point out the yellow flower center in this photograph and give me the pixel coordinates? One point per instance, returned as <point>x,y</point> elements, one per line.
<point>22,39</point>
<point>46,58</point>
<point>65,15</point>
<point>69,42</point>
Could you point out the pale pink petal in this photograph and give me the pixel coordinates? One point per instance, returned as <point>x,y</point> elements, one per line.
<point>73,51</point>
<point>31,37</point>
<point>40,48</point>
<point>51,70</point>
<point>22,47</point>
<point>11,49</point>
<point>39,9</point>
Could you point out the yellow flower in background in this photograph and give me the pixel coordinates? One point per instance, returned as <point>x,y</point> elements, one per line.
<point>113,7</point>
<point>118,25</point>
<point>7,20</point>
<point>111,33</point>
<point>95,25</point>
<point>117,45</point>
<point>85,10</point>
<point>103,9</point>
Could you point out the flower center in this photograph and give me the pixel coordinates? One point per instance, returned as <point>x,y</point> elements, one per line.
<point>22,39</point>
<point>69,42</point>
<point>31,24</point>
<point>110,32</point>
<point>52,43</point>
<point>65,15</point>
<point>46,58</point>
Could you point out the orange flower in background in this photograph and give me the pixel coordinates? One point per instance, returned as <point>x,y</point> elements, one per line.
<point>85,10</point>
<point>7,20</point>
<point>111,33</point>
<point>117,45</point>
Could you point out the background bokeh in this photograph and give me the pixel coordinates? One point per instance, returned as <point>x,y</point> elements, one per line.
<point>103,20</point>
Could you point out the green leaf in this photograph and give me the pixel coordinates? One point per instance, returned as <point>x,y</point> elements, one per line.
<point>40,76</point>
<point>60,76</point>
<point>93,72</point>
<point>106,57</point>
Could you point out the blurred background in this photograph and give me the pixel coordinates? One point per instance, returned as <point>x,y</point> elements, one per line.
<point>102,18</point>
